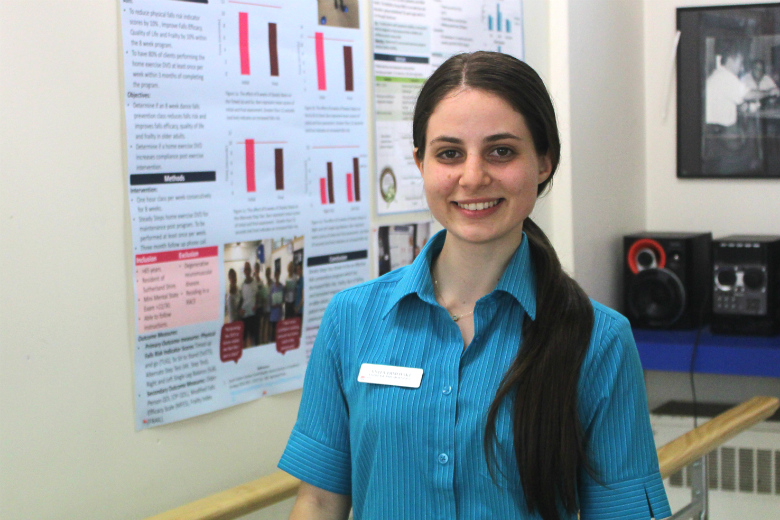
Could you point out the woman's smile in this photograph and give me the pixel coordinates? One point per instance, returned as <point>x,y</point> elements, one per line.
<point>478,209</point>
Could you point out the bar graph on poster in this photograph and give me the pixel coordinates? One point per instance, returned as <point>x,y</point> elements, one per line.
<point>335,174</point>
<point>339,58</point>
<point>259,168</point>
<point>246,150</point>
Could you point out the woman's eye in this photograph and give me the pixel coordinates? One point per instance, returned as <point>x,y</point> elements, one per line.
<point>503,151</point>
<point>449,154</point>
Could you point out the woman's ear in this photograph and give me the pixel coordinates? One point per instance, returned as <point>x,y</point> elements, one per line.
<point>417,160</point>
<point>545,167</point>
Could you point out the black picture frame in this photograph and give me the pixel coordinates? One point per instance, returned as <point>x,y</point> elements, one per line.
<point>719,48</point>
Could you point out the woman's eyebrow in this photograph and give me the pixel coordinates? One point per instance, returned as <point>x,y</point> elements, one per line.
<point>488,139</point>
<point>446,139</point>
<point>499,137</point>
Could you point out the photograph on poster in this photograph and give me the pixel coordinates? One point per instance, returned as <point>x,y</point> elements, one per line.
<point>264,288</point>
<point>398,246</point>
<point>339,13</point>
<point>728,96</point>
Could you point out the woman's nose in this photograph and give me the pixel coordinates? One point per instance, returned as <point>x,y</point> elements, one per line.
<point>475,172</point>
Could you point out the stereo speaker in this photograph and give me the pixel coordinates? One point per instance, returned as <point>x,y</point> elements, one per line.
<point>667,279</point>
<point>746,285</point>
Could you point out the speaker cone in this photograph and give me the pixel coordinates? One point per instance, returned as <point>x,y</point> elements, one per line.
<point>656,297</point>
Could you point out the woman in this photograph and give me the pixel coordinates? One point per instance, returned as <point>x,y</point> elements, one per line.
<point>531,402</point>
<point>289,291</point>
<point>276,297</point>
<point>232,298</point>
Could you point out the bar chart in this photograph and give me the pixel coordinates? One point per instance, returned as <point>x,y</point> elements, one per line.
<point>259,39</point>
<point>327,54</point>
<point>351,184</point>
<point>266,159</point>
<point>244,46</point>
<point>503,27</point>
<point>497,22</point>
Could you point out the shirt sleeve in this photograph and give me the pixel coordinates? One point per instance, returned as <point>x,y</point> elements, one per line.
<point>318,451</point>
<point>768,83</point>
<point>739,92</point>
<point>624,482</point>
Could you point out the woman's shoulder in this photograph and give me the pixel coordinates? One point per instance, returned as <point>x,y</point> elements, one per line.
<point>373,291</point>
<point>607,318</point>
<point>611,338</point>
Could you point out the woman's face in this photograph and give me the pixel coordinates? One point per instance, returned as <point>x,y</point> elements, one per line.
<point>480,168</point>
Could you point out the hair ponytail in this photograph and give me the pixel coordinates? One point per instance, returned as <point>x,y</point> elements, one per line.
<point>542,382</point>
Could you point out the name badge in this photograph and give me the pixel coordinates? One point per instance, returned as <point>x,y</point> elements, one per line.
<point>390,375</point>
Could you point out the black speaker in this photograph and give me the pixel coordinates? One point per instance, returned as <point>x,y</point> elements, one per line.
<point>666,279</point>
<point>746,285</point>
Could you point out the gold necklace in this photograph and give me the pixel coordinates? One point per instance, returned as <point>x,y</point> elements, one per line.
<point>455,317</point>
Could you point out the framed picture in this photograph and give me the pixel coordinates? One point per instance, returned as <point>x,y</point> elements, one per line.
<point>728,99</point>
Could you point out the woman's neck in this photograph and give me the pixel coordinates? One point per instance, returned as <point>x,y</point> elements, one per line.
<point>464,272</point>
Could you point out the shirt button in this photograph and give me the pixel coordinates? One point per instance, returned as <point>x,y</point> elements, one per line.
<point>443,458</point>
<point>447,390</point>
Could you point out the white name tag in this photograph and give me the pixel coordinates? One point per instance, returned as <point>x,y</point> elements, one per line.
<point>390,375</point>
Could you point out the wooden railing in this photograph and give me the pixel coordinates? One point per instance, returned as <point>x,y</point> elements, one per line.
<point>252,496</point>
<point>238,501</point>
<point>674,456</point>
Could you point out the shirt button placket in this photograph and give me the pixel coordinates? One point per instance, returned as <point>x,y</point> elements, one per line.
<point>449,404</point>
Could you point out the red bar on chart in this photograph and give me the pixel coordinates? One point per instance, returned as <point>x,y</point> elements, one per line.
<point>356,177</point>
<point>323,191</point>
<point>319,44</point>
<point>273,51</point>
<point>350,196</point>
<point>243,41</point>
<point>279,168</point>
<point>331,196</point>
<point>349,85</point>
<point>249,147</point>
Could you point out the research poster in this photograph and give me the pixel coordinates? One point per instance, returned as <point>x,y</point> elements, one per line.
<point>248,192</point>
<point>411,39</point>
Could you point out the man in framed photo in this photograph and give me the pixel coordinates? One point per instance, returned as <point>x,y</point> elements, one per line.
<point>757,80</point>
<point>727,149</point>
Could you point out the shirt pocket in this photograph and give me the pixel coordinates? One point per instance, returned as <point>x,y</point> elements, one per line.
<point>386,410</point>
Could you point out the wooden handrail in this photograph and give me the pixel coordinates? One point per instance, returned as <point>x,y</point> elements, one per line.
<point>677,454</point>
<point>246,498</point>
<point>238,501</point>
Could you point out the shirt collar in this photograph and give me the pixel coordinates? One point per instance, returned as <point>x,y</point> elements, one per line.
<point>518,280</point>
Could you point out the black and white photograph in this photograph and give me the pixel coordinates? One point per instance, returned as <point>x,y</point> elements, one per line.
<point>728,96</point>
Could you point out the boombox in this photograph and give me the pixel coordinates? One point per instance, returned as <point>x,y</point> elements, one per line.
<point>746,285</point>
<point>667,280</point>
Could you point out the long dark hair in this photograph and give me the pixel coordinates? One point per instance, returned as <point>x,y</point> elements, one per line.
<point>543,378</point>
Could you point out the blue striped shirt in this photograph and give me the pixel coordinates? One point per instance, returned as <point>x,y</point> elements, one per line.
<point>406,453</point>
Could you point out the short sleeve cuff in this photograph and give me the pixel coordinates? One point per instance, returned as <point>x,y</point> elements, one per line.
<point>637,499</point>
<point>317,464</point>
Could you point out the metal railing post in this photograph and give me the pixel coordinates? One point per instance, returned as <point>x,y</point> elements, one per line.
<point>699,506</point>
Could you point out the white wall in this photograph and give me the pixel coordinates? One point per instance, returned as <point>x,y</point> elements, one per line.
<point>68,447</point>
<point>554,210</point>
<point>607,139</point>
<point>723,206</point>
